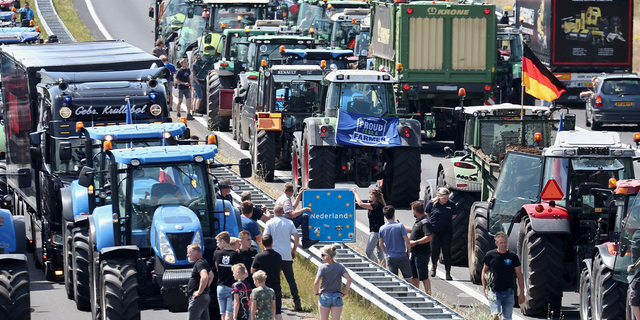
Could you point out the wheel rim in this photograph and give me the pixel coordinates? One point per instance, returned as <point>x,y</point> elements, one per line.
<point>440,182</point>
<point>525,262</point>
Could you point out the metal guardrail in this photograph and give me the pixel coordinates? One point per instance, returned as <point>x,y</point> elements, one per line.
<point>51,21</point>
<point>374,283</point>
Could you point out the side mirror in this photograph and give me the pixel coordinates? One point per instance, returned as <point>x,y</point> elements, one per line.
<point>65,151</point>
<point>24,178</point>
<point>86,177</point>
<point>35,138</point>
<point>237,99</point>
<point>245,167</point>
<point>151,13</point>
<point>448,151</point>
<point>492,202</point>
<point>190,13</point>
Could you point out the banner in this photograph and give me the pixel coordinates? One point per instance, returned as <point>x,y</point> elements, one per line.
<point>360,130</point>
<point>334,214</point>
<point>381,35</point>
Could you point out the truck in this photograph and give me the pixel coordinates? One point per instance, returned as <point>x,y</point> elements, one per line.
<point>471,174</point>
<point>355,135</point>
<point>539,201</point>
<point>169,18</point>
<point>288,94</point>
<point>165,200</point>
<point>578,40</point>
<point>434,49</point>
<point>15,301</point>
<point>46,90</point>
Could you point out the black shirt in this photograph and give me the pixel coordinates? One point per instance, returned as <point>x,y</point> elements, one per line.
<point>225,259</point>
<point>440,214</point>
<point>257,214</point>
<point>194,281</point>
<point>270,262</point>
<point>183,75</point>
<point>249,256</point>
<point>420,229</point>
<point>376,217</point>
<point>502,266</point>
<point>228,197</point>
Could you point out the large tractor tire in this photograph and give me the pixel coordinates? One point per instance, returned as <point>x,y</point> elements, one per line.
<point>319,165</point>
<point>608,297</point>
<point>216,122</point>
<point>585,295</point>
<point>479,240</point>
<point>264,154</point>
<point>81,274</point>
<point>119,290</point>
<point>541,257</point>
<point>68,262</point>
<point>464,201</point>
<point>402,183</point>
<point>296,174</point>
<point>15,303</point>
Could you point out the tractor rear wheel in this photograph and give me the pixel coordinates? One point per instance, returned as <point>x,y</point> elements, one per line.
<point>119,289</point>
<point>81,268</point>
<point>264,155</point>
<point>541,256</point>
<point>402,182</point>
<point>14,290</point>
<point>464,201</point>
<point>216,121</point>
<point>585,295</point>
<point>479,240</point>
<point>319,165</point>
<point>68,262</point>
<point>608,296</point>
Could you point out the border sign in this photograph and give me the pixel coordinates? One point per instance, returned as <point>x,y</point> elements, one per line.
<point>334,214</point>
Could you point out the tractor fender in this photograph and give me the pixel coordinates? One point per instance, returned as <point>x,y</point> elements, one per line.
<point>552,220</point>
<point>449,172</point>
<point>21,233</point>
<point>8,236</point>
<point>314,138</point>
<point>297,135</point>
<point>101,222</point>
<point>415,136</point>
<point>120,252</point>
<point>244,82</point>
<point>15,257</point>
<point>81,221</point>
<point>79,198</point>
<point>587,264</point>
<point>607,258</point>
<point>67,203</point>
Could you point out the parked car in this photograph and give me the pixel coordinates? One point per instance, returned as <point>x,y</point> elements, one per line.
<point>615,100</point>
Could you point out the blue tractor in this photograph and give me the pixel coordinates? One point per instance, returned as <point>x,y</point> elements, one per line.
<point>14,277</point>
<point>77,204</point>
<point>163,200</point>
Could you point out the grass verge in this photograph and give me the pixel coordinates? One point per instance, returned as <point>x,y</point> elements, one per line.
<point>69,16</point>
<point>43,32</point>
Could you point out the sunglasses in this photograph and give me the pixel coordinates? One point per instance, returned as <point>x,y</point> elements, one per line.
<point>324,255</point>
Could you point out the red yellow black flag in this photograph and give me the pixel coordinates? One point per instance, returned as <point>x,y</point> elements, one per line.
<point>538,80</point>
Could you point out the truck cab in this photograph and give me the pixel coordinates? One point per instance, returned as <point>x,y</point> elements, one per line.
<point>346,28</point>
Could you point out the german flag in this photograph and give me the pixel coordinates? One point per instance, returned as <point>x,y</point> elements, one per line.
<point>538,80</point>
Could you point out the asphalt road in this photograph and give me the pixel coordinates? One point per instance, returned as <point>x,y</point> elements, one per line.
<point>128,20</point>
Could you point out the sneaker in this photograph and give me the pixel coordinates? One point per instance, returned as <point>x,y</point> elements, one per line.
<point>179,114</point>
<point>433,272</point>
<point>189,117</point>
<point>306,243</point>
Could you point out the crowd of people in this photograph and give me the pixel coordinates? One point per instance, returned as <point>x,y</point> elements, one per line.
<point>248,281</point>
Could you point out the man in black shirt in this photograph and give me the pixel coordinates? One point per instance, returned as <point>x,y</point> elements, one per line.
<point>198,286</point>
<point>419,238</point>
<point>270,262</point>
<point>499,267</point>
<point>248,253</point>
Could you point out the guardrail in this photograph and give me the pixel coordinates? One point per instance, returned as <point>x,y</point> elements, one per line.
<point>51,21</point>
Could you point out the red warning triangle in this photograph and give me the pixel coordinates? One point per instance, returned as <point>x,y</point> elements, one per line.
<point>551,191</point>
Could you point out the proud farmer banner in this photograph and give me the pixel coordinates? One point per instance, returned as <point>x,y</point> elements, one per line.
<point>360,130</point>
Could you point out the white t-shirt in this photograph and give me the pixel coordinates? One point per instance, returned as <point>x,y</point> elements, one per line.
<point>281,229</point>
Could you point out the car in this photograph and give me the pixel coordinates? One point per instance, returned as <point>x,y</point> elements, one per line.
<point>615,100</point>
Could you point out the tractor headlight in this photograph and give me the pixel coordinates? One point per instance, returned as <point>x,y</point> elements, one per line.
<point>57,239</point>
<point>155,110</point>
<point>135,162</point>
<point>165,249</point>
<point>65,112</point>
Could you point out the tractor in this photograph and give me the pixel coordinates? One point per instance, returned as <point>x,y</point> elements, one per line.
<point>15,302</point>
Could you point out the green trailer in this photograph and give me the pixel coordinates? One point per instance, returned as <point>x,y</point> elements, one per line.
<point>434,49</point>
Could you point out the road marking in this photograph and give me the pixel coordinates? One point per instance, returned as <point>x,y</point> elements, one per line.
<point>96,19</point>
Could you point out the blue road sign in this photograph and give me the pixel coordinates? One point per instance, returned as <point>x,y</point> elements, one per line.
<point>334,214</point>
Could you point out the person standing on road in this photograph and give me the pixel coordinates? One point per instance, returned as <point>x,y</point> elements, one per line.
<point>421,235</point>
<point>497,278</point>
<point>172,72</point>
<point>270,262</point>
<point>225,258</point>
<point>241,292</point>
<point>183,78</point>
<point>281,229</point>
<point>299,217</point>
<point>441,211</point>
<point>198,286</point>
<point>248,253</point>
<point>198,86</point>
<point>331,273</point>
<point>263,299</point>
<point>258,213</point>
<point>376,220</point>
<point>394,242</point>
<point>158,50</point>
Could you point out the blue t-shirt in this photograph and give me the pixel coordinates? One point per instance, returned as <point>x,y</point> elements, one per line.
<point>251,226</point>
<point>183,75</point>
<point>171,68</point>
<point>392,233</point>
<point>29,12</point>
<point>440,214</point>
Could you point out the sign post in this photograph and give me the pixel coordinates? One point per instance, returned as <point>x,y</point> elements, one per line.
<point>334,214</point>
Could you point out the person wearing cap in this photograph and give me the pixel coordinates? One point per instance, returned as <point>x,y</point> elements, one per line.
<point>225,191</point>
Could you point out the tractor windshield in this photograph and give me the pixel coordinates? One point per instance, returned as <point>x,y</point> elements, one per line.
<point>297,97</point>
<point>173,16</point>
<point>191,30</point>
<point>344,34</point>
<point>496,135</point>
<point>234,18</point>
<point>510,47</point>
<point>237,47</point>
<point>362,43</point>
<point>373,99</point>
<point>628,252</point>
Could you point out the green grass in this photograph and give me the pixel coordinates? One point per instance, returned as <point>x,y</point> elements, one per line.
<point>68,14</point>
<point>43,32</point>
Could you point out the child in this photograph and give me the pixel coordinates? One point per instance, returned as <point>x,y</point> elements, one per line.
<point>240,290</point>
<point>235,243</point>
<point>263,299</point>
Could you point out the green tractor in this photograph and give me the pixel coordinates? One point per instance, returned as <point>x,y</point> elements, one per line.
<point>316,15</point>
<point>509,65</point>
<point>346,28</point>
<point>171,16</point>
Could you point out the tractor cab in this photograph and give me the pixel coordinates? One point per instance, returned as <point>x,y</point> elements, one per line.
<point>361,92</point>
<point>346,28</point>
<point>172,16</point>
<point>316,15</point>
<point>335,59</point>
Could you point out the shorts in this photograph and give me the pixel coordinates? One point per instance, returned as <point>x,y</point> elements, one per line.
<point>420,265</point>
<point>331,299</point>
<point>634,293</point>
<point>198,90</point>
<point>501,302</point>
<point>186,93</point>
<point>170,87</point>
<point>225,299</point>
<point>400,263</point>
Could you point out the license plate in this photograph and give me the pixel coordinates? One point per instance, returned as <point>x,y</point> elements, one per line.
<point>587,84</point>
<point>624,104</point>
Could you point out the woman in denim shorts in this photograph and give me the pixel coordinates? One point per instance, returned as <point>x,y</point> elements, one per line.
<point>331,273</point>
